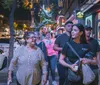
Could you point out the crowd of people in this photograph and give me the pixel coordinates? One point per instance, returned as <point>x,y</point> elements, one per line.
<point>39,53</point>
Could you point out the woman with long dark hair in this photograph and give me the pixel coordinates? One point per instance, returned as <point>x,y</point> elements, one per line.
<point>79,43</point>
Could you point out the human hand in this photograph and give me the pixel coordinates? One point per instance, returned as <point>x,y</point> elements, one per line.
<point>86,61</point>
<point>9,80</point>
<point>74,67</point>
<point>44,80</point>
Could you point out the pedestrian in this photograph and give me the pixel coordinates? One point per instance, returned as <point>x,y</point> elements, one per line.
<point>59,31</point>
<point>95,49</point>
<point>41,45</point>
<point>59,43</point>
<point>79,43</point>
<point>44,31</point>
<point>51,53</point>
<point>30,63</point>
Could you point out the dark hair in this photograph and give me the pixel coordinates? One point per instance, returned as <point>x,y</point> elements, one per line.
<point>83,36</point>
<point>88,27</point>
<point>27,34</point>
<point>38,33</point>
<point>68,22</point>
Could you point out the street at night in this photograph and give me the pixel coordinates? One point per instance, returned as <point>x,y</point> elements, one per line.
<point>49,42</point>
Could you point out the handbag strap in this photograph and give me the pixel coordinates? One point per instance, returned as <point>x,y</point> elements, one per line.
<point>73,50</point>
<point>42,46</point>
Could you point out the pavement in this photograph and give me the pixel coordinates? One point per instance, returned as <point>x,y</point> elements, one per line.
<point>3,77</point>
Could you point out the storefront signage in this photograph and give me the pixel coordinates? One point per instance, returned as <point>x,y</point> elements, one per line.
<point>80,14</point>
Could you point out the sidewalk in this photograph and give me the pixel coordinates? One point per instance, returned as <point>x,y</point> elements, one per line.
<point>3,77</point>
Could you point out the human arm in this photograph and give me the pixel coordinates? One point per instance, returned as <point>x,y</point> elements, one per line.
<point>63,56</point>
<point>12,65</point>
<point>62,62</point>
<point>95,48</point>
<point>57,48</point>
<point>91,61</point>
<point>57,43</point>
<point>43,65</point>
<point>44,49</point>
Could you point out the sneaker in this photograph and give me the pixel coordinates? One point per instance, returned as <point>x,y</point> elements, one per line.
<point>54,83</point>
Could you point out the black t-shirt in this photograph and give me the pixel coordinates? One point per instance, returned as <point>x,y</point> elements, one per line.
<point>62,39</point>
<point>94,45</point>
<point>81,49</point>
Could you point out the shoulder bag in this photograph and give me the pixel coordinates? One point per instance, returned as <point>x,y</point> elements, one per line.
<point>86,72</point>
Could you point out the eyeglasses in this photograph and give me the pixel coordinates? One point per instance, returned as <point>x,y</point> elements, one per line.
<point>31,37</point>
<point>69,25</point>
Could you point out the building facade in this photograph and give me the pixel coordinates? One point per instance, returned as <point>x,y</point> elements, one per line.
<point>90,10</point>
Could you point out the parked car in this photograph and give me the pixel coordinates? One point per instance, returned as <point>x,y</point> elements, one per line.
<point>4,45</point>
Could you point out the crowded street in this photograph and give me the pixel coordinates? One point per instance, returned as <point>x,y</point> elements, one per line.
<point>49,42</point>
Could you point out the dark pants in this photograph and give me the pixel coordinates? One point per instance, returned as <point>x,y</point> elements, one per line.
<point>62,71</point>
<point>76,83</point>
<point>18,83</point>
<point>95,82</point>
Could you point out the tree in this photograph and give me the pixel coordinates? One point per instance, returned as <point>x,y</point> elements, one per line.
<point>28,4</point>
<point>11,5</point>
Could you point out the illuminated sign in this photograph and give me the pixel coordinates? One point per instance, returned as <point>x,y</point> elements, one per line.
<point>80,14</point>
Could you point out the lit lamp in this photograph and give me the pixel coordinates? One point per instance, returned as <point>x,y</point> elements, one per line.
<point>15,24</point>
<point>1,16</point>
<point>24,25</point>
<point>26,3</point>
<point>80,15</point>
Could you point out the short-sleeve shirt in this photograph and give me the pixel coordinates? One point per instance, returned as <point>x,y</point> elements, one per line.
<point>81,49</point>
<point>94,48</point>
<point>28,65</point>
<point>62,39</point>
<point>94,45</point>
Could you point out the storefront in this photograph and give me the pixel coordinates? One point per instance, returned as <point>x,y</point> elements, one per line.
<point>92,18</point>
<point>88,20</point>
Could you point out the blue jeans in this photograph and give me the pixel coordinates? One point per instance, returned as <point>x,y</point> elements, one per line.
<point>52,65</point>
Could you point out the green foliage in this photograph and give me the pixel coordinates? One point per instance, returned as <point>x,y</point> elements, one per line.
<point>7,4</point>
<point>1,51</point>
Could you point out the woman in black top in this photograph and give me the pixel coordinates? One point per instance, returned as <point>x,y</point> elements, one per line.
<point>41,44</point>
<point>79,43</point>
